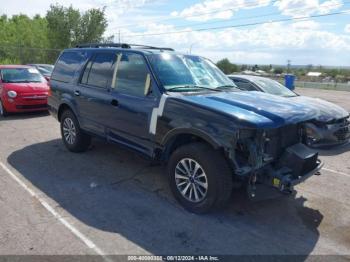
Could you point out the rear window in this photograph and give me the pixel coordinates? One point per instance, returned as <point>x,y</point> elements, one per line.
<point>67,65</point>
<point>21,75</point>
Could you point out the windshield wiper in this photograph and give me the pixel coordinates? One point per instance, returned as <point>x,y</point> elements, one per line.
<point>190,87</point>
<point>227,87</point>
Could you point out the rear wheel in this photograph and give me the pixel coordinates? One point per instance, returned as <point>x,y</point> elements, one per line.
<point>200,178</point>
<point>3,111</point>
<point>73,136</point>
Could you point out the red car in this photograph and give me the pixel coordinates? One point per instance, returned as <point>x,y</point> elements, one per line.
<point>22,89</point>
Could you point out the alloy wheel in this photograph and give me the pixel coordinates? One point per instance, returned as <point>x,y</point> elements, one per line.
<point>191,180</point>
<point>69,131</point>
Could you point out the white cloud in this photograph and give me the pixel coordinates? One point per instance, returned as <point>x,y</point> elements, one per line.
<point>306,25</point>
<point>208,9</point>
<point>299,8</point>
<point>330,6</point>
<point>268,43</point>
<point>32,8</point>
<point>347,28</point>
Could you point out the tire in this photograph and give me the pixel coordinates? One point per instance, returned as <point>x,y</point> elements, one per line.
<point>217,178</point>
<point>3,111</point>
<point>73,136</point>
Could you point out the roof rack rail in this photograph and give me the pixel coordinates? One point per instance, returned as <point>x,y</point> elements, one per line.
<point>151,47</point>
<point>97,45</point>
<point>122,45</point>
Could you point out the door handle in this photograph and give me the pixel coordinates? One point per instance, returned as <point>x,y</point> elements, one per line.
<point>114,102</point>
<point>77,93</point>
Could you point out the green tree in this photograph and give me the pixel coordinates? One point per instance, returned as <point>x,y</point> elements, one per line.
<point>226,66</point>
<point>278,70</point>
<point>68,27</point>
<point>18,34</point>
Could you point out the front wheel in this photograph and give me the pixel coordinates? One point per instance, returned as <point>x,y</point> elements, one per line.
<point>200,178</point>
<point>73,136</point>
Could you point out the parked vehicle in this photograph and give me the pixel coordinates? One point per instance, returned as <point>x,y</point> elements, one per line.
<point>22,89</point>
<point>183,111</point>
<point>330,128</point>
<point>44,69</point>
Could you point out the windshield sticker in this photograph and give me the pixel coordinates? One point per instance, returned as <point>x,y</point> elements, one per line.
<point>33,71</point>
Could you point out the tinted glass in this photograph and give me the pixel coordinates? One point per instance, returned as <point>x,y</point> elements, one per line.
<point>99,72</point>
<point>67,65</point>
<point>131,74</point>
<point>21,75</point>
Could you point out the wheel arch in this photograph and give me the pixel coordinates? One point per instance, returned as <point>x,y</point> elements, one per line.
<point>181,136</point>
<point>65,105</point>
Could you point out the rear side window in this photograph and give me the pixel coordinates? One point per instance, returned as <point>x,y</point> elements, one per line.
<point>131,74</point>
<point>67,65</point>
<point>98,72</point>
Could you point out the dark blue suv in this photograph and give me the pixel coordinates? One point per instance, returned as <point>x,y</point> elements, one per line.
<point>181,110</point>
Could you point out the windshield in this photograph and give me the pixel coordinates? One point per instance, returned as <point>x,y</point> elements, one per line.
<point>43,71</point>
<point>21,75</point>
<point>274,88</point>
<point>47,68</point>
<point>187,73</point>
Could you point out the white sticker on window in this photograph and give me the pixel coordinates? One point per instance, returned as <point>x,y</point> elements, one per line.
<point>33,71</point>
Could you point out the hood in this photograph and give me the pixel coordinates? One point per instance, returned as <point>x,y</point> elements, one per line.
<point>26,88</point>
<point>326,111</point>
<point>255,109</point>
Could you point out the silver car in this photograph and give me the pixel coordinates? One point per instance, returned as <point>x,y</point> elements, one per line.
<point>332,127</point>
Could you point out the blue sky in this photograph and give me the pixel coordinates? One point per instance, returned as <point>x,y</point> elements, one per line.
<point>317,41</point>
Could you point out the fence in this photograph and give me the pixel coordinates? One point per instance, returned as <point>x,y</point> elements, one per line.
<point>330,86</point>
<point>27,55</point>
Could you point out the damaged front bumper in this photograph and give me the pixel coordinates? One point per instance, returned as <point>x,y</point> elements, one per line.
<point>287,182</point>
<point>297,164</point>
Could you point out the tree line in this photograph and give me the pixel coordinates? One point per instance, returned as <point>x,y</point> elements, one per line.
<point>337,74</point>
<point>40,39</point>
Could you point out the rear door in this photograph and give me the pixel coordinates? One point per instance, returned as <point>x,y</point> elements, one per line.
<point>93,93</point>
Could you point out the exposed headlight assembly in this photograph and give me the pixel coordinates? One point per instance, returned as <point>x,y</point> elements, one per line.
<point>12,94</point>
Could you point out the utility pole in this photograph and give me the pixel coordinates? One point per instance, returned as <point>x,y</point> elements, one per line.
<point>190,51</point>
<point>288,65</point>
<point>119,36</point>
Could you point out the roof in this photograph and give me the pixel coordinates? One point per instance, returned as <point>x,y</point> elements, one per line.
<point>122,47</point>
<point>14,66</point>
<point>138,50</point>
<point>248,77</point>
<point>40,65</point>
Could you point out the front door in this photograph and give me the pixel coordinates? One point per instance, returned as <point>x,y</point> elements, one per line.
<point>134,99</point>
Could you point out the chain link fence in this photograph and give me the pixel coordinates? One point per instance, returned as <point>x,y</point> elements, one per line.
<point>27,55</point>
<point>329,86</point>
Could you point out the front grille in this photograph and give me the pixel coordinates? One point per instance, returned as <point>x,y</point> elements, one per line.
<point>42,106</point>
<point>342,134</point>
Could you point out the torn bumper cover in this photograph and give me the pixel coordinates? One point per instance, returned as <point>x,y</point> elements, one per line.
<point>297,163</point>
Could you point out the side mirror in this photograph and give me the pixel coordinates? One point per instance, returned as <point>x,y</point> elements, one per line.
<point>147,85</point>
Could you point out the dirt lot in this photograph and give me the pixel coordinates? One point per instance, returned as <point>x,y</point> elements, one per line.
<point>110,201</point>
